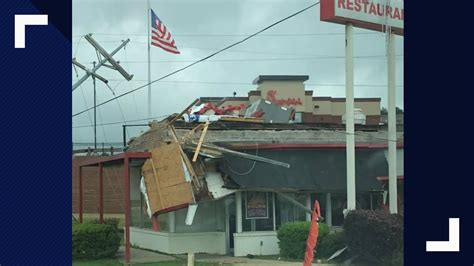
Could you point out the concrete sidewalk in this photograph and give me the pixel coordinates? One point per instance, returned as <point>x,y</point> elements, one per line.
<point>142,256</point>
<point>145,256</point>
<point>244,261</point>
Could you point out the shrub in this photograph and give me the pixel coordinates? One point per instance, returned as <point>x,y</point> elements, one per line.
<point>375,236</point>
<point>293,236</point>
<point>114,222</point>
<point>94,241</point>
<point>330,244</point>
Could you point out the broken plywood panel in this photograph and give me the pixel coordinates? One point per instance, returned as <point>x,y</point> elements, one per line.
<point>165,178</point>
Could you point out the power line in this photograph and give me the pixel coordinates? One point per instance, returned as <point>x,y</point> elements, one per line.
<point>205,58</point>
<point>239,35</point>
<point>263,59</point>
<point>123,122</point>
<point>216,49</point>
<point>250,84</point>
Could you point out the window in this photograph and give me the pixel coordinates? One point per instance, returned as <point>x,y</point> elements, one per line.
<point>257,224</point>
<point>206,219</point>
<point>287,212</point>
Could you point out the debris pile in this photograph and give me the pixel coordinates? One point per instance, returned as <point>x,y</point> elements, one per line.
<point>269,112</point>
<point>182,169</point>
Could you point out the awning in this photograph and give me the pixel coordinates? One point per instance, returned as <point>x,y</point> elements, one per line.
<point>311,170</point>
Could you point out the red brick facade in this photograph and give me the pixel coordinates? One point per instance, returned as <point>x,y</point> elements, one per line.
<point>113,188</point>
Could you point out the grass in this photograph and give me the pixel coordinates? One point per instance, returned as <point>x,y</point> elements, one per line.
<point>277,257</point>
<point>106,262</point>
<point>116,262</point>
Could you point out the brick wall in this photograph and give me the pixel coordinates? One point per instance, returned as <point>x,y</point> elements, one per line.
<point>113,188</point>
<point>371,120</point>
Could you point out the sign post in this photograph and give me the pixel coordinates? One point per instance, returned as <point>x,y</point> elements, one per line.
<point>392,126</point>
<point>378,15</point>
<point>350,142</point>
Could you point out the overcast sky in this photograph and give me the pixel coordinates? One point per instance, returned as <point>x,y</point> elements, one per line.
<point>294,47</point>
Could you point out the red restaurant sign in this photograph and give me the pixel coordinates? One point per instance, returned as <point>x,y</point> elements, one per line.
<point>368,14</point>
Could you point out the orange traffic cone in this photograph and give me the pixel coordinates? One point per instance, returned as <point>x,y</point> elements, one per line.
<point>312,236</point>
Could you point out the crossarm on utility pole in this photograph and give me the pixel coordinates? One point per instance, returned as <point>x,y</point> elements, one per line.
<point>109,57</point>
<point>103,61</point>
<point>81,66</point>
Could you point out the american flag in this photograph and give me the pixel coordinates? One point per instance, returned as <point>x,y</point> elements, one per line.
<point>160,36</point>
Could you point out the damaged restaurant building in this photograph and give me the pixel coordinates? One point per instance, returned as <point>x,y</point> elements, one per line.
<point>223,175</point>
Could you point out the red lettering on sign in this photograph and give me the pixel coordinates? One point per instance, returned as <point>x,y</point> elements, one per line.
<point>341,4</point>
<point>379,10</point>
<point>366,3</point>
<point>372,9</point>
<point>388,10</point>
<point>358,6</point>
<point>271,96</point>
<point>396,14</point>
<point>349,5</point>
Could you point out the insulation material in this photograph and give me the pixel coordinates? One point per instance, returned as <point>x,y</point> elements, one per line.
<point>190,214</point>
<point>189,118</point>
<point>145,195</point>
<point>165,179</point>
<point>215,185</point>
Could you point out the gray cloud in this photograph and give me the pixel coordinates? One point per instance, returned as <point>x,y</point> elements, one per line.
<point>114,20</point>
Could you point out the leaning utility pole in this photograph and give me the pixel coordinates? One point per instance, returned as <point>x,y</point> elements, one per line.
<point>107,58</point>
<point>95,111</point>
<point>115,65</point>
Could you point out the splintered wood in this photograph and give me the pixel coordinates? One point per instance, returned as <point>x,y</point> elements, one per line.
<point>196,182</point>
<point>203,135</point>
<point>165,178</point>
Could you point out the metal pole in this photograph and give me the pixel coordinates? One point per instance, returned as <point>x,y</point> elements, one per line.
<point>308,206</point>
<point>274,211</point>
<point>141,210</point>
<point>295,202</point>
<point>149,64</point>
<point>392,126</point>
<point>127,208</point>
<point>350,147</point>
<point>124,133</point>
<point>238,211</point>
<point>95,112</point>
<point>101,193</point>
<point>328,209</point>
<point>172,222</point>
<point>80,195</point>
<point>88,73</point>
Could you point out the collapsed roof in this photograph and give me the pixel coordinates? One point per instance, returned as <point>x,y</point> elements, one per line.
<point>215,159</point>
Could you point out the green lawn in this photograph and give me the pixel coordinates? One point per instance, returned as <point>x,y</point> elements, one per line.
<point>115,262</point>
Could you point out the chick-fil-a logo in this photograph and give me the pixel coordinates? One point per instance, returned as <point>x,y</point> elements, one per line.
<point>271,96</point>
<point>21,21</point>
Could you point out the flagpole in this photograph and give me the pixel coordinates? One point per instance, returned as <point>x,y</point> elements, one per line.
<point>149,65</point>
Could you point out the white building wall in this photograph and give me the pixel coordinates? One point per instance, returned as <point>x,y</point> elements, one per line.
<point>179,243</point>
<point>145,238</point>
<point>256,243</point>
<point>206,242</point>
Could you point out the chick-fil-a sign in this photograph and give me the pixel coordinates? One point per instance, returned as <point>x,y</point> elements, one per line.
<point>271,96</point>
